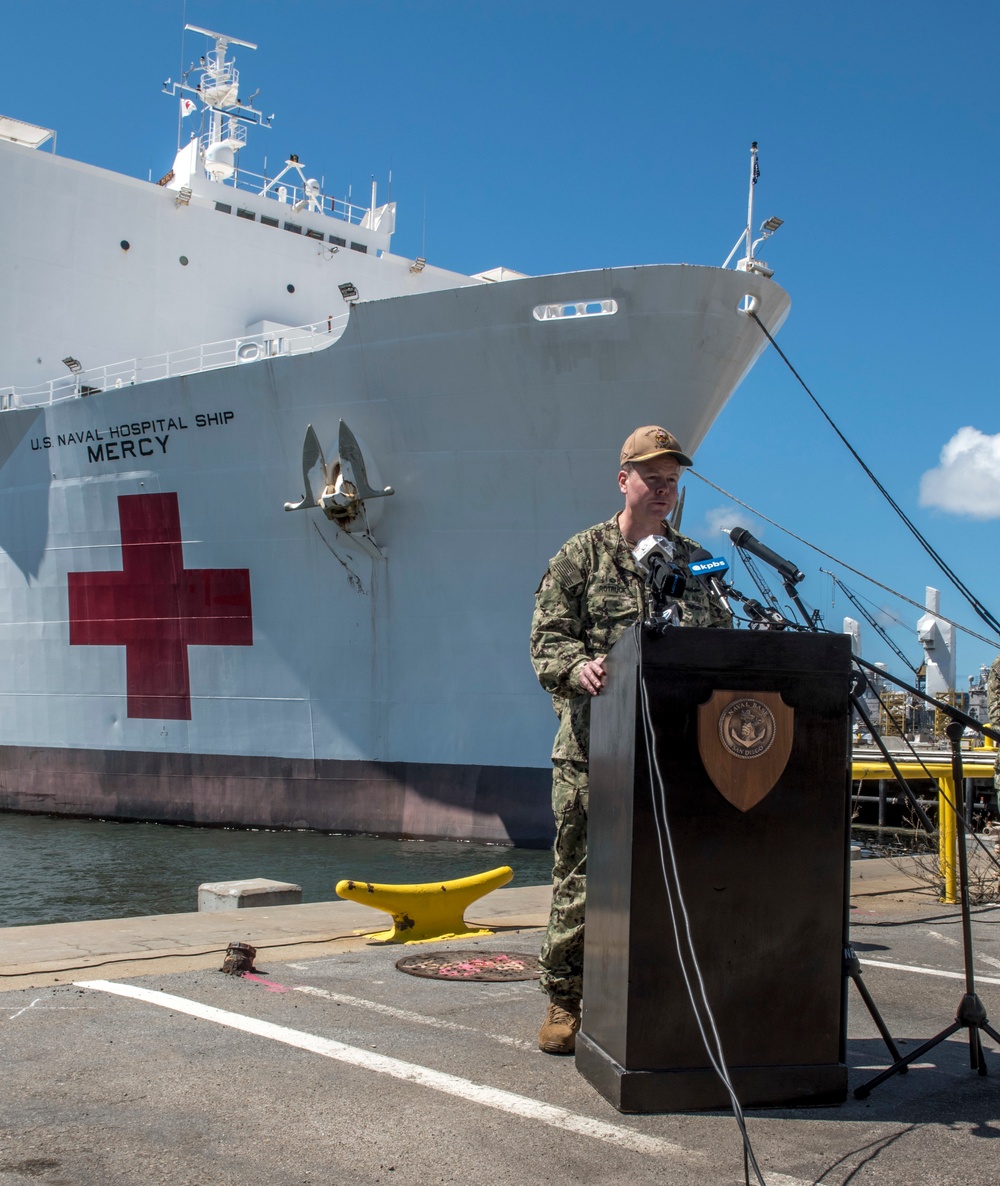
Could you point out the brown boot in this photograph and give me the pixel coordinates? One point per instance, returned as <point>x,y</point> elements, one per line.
<point>558,1032</point>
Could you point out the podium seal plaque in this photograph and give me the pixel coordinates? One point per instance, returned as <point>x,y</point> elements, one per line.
<point>746,728</point>
<point>744,742</point>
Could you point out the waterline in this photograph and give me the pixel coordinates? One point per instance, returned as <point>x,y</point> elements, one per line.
<point>68,870</point>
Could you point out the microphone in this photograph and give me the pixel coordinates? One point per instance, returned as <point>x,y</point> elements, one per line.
<point>743,539</point>
<point>709,570</point>
<point>704,564</point>
<point>654,556</point>
<point>653,546</point>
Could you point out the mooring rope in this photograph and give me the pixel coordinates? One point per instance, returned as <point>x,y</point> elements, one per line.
<point>928,547</point>
<point>837,560</point>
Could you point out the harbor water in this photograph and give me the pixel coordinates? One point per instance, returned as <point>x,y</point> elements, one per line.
<point>65,870</point>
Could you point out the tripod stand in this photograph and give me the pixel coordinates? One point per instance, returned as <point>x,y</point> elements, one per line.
<point>971,1014</point>
<point>770,618</point>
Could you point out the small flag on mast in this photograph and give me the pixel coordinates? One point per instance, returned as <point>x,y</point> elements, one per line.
<point>187,106</point>
<point>756,169</point>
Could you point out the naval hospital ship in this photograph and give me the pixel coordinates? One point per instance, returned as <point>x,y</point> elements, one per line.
<point>271,524</point>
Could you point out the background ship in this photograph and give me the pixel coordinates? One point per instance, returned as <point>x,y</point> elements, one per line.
<point>177,645</point>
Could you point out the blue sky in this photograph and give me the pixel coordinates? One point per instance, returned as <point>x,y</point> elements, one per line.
<point>559,136</point>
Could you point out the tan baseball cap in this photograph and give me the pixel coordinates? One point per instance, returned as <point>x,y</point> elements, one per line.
<point>652,441</point>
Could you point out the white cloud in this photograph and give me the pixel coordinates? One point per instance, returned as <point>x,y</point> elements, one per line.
<point>967,481</point>
<point>726,517</point>
<point>887,617</point>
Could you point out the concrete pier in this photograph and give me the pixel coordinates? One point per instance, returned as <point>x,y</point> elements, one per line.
<point>130,1059</point>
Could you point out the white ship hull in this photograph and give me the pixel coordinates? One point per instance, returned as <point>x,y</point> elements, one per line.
<point>382,692</point>
<point>176,645</point>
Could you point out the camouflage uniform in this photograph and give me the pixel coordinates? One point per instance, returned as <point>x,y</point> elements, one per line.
<point>993,711</point>
<point>592,592</point>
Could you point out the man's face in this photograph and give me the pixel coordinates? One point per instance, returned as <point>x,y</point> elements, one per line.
<point>650,487</point>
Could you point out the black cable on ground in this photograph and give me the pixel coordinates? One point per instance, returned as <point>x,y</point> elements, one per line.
<point>172,955</point>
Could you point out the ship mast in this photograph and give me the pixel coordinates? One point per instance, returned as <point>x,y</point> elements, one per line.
<point>748,263</point>
<point>218,89</point>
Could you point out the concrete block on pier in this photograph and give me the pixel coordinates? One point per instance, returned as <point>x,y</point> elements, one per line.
<point>254,891</point>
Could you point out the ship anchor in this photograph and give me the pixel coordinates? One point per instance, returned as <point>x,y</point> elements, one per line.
<point>339,489</point>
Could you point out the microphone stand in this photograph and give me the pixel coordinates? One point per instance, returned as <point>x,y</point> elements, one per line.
<point>811,620</point>
<point>766,618</point>
<point>971,1013</point>
<point>665,584</point>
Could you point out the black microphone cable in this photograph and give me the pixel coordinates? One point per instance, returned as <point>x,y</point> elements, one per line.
<point>686,954</point>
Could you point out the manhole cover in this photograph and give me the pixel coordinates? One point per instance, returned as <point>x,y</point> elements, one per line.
<point>472,965</point>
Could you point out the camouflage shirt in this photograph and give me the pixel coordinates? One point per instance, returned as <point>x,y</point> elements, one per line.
<point>592,592</point>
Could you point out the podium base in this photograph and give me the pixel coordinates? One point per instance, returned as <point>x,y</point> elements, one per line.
<point>697,1089</point>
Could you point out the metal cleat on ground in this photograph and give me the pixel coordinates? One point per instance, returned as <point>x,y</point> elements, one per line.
<point>422,913</point>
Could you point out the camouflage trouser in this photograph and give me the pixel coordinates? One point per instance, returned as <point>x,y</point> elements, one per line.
<point>562,951</point>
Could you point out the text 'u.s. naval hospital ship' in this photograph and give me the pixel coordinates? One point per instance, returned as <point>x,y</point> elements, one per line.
<point>270,532</point>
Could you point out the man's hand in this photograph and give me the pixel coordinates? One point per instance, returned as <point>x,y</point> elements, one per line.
<point>592,676</point>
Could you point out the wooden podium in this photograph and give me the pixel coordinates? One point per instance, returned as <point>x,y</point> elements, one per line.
<point>765,882</point>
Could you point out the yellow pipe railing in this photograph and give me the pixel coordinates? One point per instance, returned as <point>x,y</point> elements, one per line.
<point>948,818</point>
<point>948,838</point>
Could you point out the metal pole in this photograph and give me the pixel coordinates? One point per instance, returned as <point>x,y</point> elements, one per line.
<point>947,833</point>
<point>954,730</point>
<point>753,162</point>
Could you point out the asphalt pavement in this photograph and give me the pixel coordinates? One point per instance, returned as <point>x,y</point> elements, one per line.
<point>130,1058</point>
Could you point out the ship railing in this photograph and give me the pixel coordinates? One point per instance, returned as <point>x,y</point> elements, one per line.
<point>258,183</point>
<point>208,356</point>
<point>235,136</point>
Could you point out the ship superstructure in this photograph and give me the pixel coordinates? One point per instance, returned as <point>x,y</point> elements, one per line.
<point>122,273</point>
<point>268,543</point>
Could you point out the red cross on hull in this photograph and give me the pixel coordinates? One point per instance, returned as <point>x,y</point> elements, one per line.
<point>156,608</point>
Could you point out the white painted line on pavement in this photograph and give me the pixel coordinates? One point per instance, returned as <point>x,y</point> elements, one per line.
<point>46,1008</point>
<point>340,998</point>
<point>465,1089</point>
<point>914,1066</point>
<point>928,971</point>
<point>25,1009</point>
<point>953,942</point>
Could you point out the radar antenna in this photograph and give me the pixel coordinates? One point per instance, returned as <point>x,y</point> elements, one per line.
<point>218,89</point>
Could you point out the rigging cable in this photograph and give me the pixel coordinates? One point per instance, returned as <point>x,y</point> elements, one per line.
<point>918,759</point>
<point>836,560</point>
<point>854,599</point>
<point>939,560</point>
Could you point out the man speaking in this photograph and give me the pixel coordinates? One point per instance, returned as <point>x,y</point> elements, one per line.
<point>592,592</point>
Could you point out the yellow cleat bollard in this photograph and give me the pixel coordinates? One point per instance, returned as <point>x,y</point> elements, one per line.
<point>422,913</point>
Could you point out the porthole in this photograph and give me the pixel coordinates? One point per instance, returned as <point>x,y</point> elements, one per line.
<point>184,261</point>
<point>290,287</point>
<point>124,244</point>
